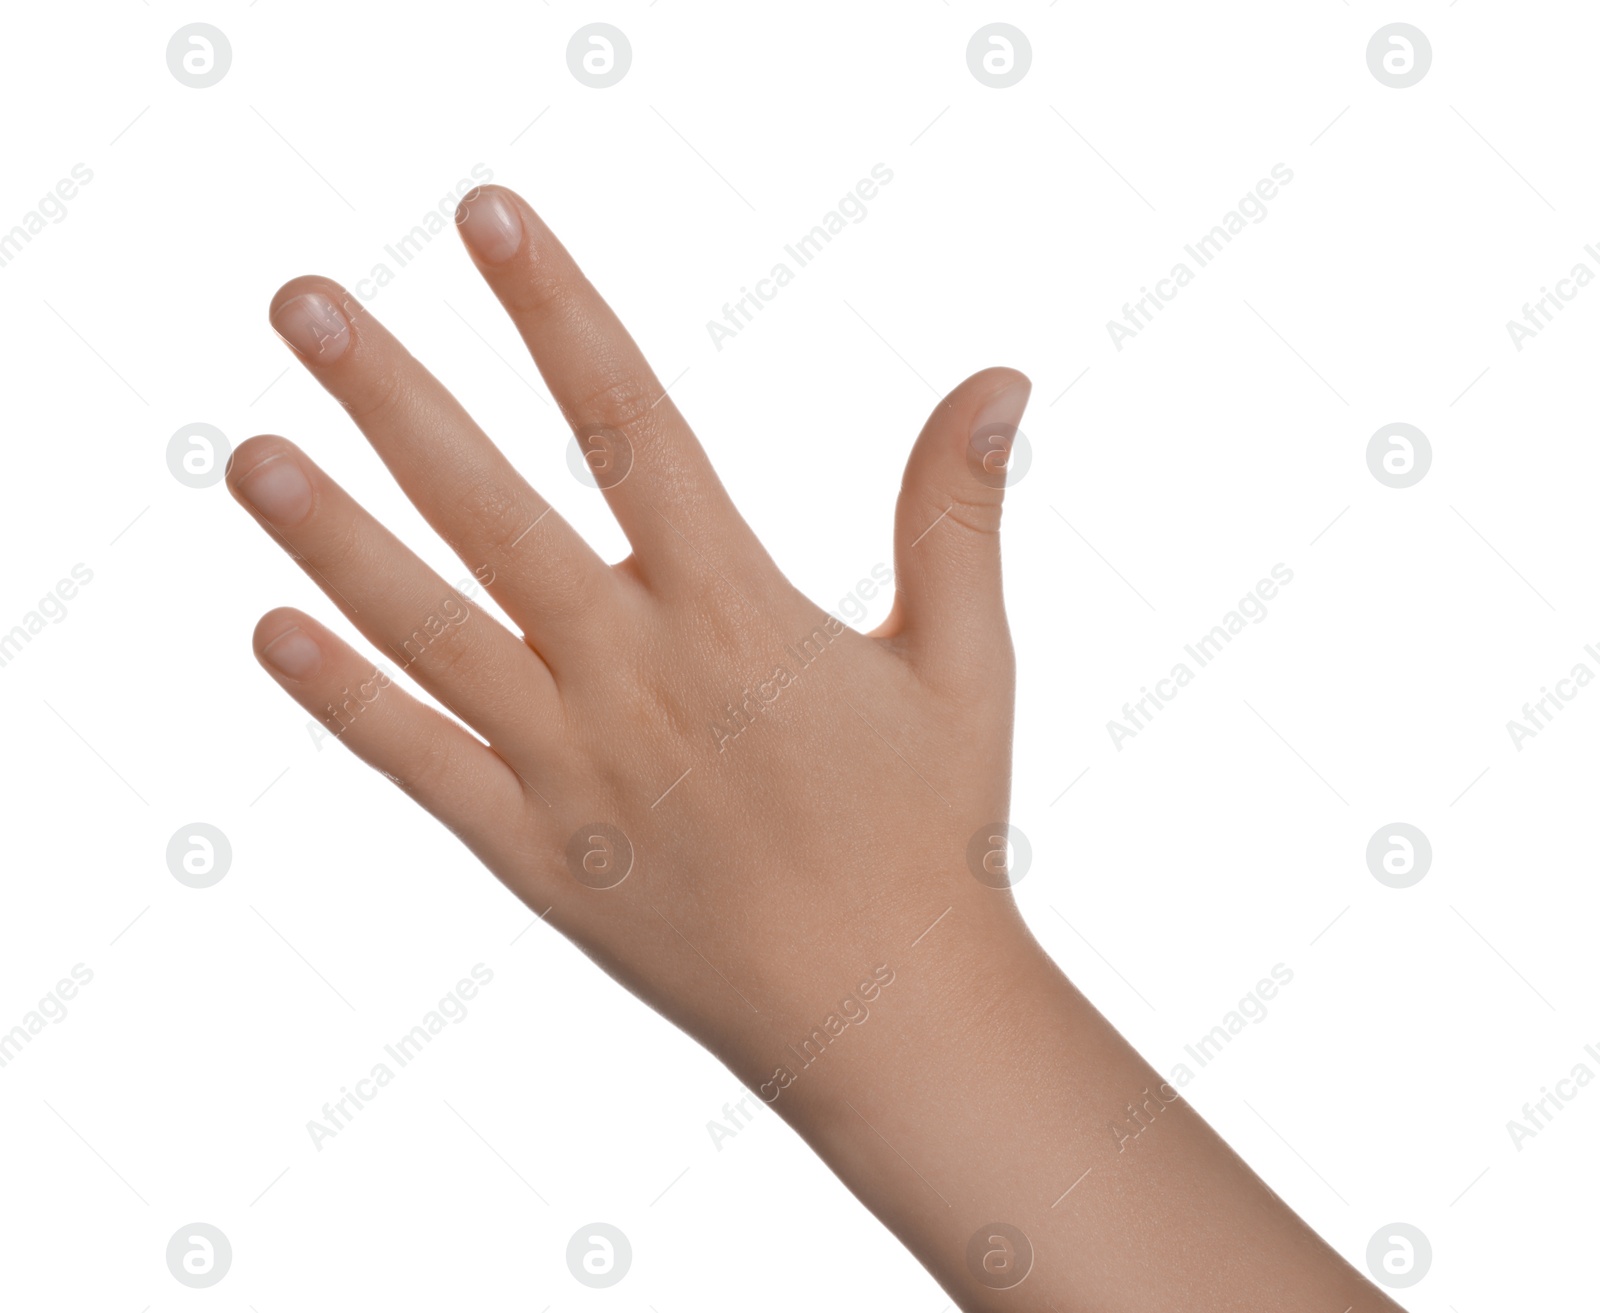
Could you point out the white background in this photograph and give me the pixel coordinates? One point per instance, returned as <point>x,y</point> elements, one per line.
<point>1227,437</point>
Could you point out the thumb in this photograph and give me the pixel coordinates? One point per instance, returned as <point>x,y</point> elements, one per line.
<point>949,614</point>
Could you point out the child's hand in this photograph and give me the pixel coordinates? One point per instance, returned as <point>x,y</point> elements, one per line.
<point>765,824</point>
<point>739,807</point>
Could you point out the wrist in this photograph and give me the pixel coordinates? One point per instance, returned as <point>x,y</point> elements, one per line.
<point>942,1036</point>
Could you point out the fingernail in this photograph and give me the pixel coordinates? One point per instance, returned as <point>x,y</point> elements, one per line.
<point>994,434</point>
<point>995,424</point>
<point>491,226</point>
<point>293,654</point>
<point>313,326</point>
<point>278,489</point>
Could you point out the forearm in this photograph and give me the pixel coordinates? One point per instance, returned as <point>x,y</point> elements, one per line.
<point>988,1090</point>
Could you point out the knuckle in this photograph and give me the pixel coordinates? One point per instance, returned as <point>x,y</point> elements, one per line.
<point>566,603</point>
<point>547,292</point>
<point>626,404</point>
<point>428,770</point>
<point>981,518</point>
<point>974,512</point>
<point>490,508</point>
<point>438,647</point>
<point>339,549</point>
<point>445,656</point>
<point>376,399</point>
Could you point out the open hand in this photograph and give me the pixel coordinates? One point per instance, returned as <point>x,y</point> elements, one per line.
<point>741,808</point>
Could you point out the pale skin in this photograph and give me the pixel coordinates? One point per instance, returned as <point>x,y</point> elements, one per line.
<point>801,851</point>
